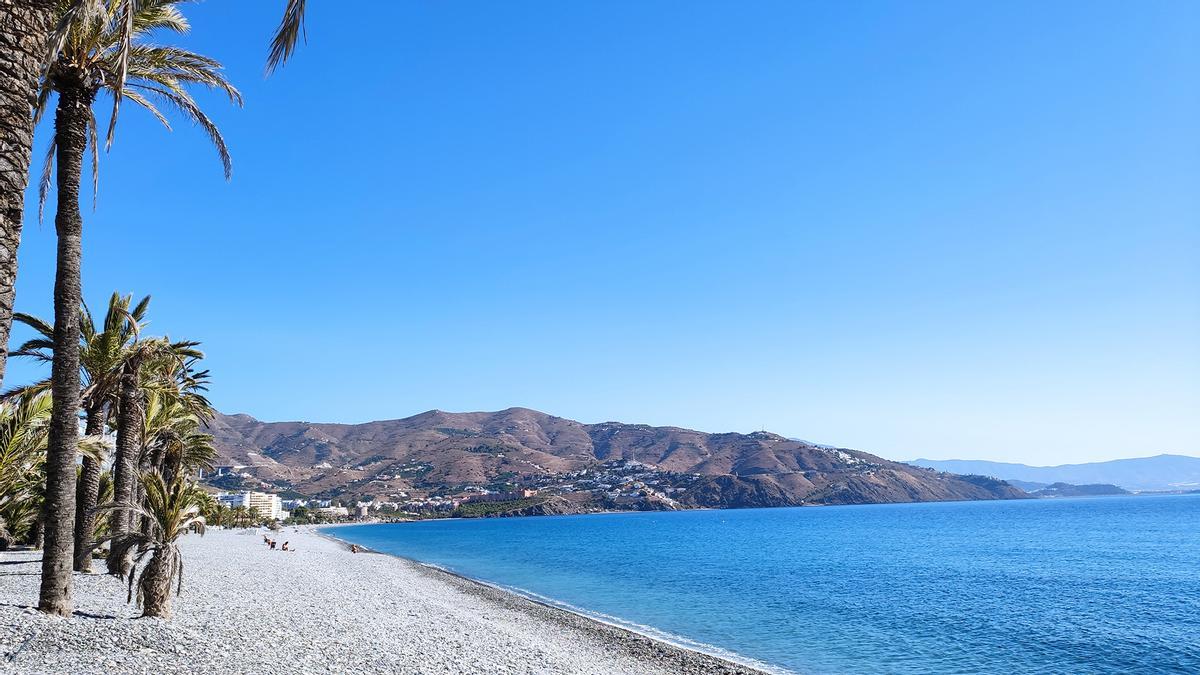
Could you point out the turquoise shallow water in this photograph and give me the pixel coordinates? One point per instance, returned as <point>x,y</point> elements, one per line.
<point>1104,585</point>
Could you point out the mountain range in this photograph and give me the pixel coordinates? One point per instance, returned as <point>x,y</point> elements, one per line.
<point>1158,473</point>
<point>602,465</point>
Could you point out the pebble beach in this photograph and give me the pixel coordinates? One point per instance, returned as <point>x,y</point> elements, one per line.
<point>317,609</point>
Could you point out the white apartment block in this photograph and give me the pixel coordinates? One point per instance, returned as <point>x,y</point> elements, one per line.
<point>269,506</point>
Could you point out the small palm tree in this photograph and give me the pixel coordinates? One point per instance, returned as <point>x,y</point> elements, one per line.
<point>170,510</point>
<point>23,429</point>
<point>213,510</point>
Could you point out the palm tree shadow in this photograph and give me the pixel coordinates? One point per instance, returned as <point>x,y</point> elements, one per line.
<point>88,615</point>
<point>20,562</point>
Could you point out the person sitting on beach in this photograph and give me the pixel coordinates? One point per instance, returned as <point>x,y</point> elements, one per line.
<point>285,545</point>
<point>353,548</point>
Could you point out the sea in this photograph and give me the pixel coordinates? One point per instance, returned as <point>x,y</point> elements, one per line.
<point>1093,585</point>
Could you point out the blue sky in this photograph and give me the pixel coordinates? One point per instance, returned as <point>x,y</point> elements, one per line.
<point>933,229</point>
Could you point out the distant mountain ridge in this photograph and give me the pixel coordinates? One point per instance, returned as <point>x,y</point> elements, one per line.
<point>1158,473</point>
<point>438,453</point>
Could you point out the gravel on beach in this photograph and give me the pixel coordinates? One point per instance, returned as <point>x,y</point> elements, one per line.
<point>320,609</point>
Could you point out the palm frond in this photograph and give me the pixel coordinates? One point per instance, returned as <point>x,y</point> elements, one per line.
<point>95,147</point>
<point>74,14</point>
<point>41,326</point>
<point>145,103</point>
<point>47,178</point>
<point>125,44</point>
<point>102,42</point>
<point>163,64</point>
<point>188,108</point>
<point>289,32</point>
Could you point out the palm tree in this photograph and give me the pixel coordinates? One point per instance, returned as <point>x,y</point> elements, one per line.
<point>174,444</point>
<point>99,51</point>
<point>26,26</point>
<point>129,435</point>
<point>159,413</point>
<point>101,356</point>
<point>23,427</point>
<point>213,510</point>
<point>172,509</point>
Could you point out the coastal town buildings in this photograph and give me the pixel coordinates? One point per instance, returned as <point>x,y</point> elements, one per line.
<point>269,506</point>
<point>502,496</point>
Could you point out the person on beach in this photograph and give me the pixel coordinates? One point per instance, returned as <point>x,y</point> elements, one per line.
<point>272,544</point>
<point>285,546</point>
<point>354,548</point>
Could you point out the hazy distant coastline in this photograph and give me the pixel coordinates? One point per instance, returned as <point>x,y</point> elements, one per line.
<point>1161,473</point>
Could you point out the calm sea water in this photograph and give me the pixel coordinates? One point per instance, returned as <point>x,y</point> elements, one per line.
<point>1040,586</point>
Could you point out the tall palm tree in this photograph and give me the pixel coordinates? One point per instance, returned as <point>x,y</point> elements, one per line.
<point>27,27</point>
<point>172,508</point>
<point>101,356</point>
<point>100,51</point>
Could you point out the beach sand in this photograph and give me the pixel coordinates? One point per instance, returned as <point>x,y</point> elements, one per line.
<point>321,609</point>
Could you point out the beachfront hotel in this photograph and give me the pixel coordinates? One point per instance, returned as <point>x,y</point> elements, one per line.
<point>268,505</point>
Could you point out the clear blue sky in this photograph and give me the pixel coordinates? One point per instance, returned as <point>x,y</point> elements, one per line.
<point>937,229</point>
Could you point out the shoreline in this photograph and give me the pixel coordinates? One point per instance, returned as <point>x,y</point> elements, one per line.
<point>317,608</point>
<point>726,662</point>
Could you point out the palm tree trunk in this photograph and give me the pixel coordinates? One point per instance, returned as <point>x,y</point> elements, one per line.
<point>171,465</point>
<point>129,418</point>
<point>24,28</point>
<point>70,129</point>
<point>155,585</point>
<point>139,498</point>
<point>85,501</point>
<point>154,463</point>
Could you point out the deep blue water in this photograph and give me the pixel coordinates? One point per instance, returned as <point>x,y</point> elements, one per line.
<point>1039,586</point>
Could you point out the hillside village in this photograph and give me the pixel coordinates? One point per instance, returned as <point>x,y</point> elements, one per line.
<point>612,485</point>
